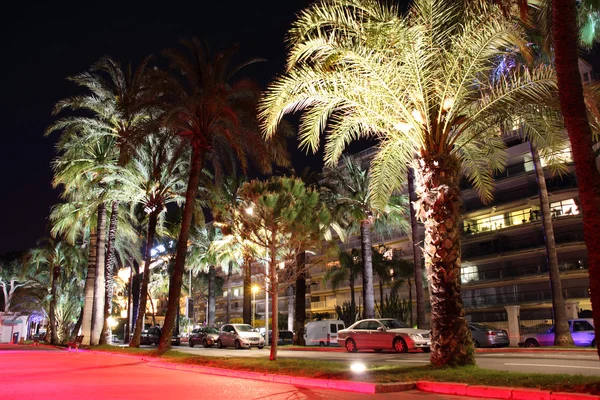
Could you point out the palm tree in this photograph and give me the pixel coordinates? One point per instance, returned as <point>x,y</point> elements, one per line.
<point>348,269</point>
<point>154,178</point>
<point>118,104</point>
<point>419,84</point>
<point>216,117</point>
<point>352,204</point>
<point>419,292</point>
<point>59,258</point>
<point>572,104</point>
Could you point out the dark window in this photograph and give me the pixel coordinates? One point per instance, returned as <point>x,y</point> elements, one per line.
<point>333,328</point>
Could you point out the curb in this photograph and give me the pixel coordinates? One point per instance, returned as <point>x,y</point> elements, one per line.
<point>499,392</point>
<point>462,389</point>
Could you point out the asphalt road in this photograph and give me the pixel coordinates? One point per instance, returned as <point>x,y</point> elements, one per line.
<point>547,362</point>
<point>33,374</point>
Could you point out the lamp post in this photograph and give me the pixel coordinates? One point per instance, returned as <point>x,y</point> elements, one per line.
<point>254,290</point>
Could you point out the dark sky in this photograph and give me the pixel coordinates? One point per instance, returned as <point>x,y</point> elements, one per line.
<point>44,43</point>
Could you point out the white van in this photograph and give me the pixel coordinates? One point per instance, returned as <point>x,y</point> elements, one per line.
<point>322,333</point>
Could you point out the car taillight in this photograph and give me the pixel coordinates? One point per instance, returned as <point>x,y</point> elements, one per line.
<point>490,333</point>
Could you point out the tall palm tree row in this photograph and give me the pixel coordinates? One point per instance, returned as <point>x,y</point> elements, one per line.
<point>421,85</point>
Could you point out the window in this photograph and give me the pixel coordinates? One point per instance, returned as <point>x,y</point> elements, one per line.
<point>564,207</point>
<point>236,292</point>
<point>363,325</point>
<point>333,328</point>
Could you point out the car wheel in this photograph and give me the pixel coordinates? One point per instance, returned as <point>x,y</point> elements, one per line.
<point>426,349</point>
<point>219,344</point>
<point>475,343</point>
<point>377,350</point>
<point>191,343</point>
<point>321,344</point>
<point>400,345</point>
<point>594,343</point>
<point>531,343</point>
<point>238,345</point>
<point>261,347</point>
<point>204,343</point>
<point>351,346</point>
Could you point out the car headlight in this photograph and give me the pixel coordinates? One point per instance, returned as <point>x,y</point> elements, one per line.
<point>415,336</point>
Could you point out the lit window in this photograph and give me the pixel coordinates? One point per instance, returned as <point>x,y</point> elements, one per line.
<point>236,292</point>
<point>564,208</point>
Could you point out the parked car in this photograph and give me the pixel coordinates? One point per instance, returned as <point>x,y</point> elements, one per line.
<point>206,335</point>
<point>284,337</point>
<point>322,333</point>
<point>239,336</point>
<point>383,333</point>
<point>152,336</point>
<point>488,336</point>
<point>582,332</point>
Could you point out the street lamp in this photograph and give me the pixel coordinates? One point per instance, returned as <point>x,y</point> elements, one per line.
<point>254,290</point>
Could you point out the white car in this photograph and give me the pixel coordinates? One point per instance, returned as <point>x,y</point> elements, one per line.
<point>239,336</point>
<point>381,334</point>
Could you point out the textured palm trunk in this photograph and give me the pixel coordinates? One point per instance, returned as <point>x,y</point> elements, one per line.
<point>562,335</point>
<point>352,296</point>
<point>212,306</point>
<point>228,311</point>
<point>247,310</point>
<point>139,321</point>
<point>300,299</point>
<point>186,222</point>
<point>565,34</point>
<point>99,295</point>
<point>381,293</point>
<point>52,305</point>
<point>109,270</point>
<point>274,288</point>
<point>438,192</point>
<point>419,292</point>
<point>410,301</point>
<point>88,291</point>
<point>367,260</point>
<point>77,326</point>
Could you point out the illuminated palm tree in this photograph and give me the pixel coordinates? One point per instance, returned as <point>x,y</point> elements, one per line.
<point>421,85</point>
<point>215,115</point>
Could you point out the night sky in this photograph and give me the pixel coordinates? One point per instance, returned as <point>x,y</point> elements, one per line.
<point>44,43</point>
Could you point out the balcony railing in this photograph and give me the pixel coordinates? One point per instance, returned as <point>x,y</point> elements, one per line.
<point>323,305</point>
<point>536,296</point>
<point>518,271</point>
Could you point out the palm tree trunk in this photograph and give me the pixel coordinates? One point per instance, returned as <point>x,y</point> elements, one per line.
<point>562,335</point>
<point>380,292</point>
<point>109,270</point>
<point>367,260</point>
<point>419,292</point>
<point>178,270</point>
<point>88,291</point>
<point>247,311</point>
<point>98,309</point>
<point>570,90</point>
<point>139,321</point>
<point>438,190</point>
<point>410,301</point>
<point>352,297</point>
<point>300,299</point>
<point>228,311</point>
<point>52,305</point>
<point>77,326</point>
<point>274,288</point>
<point>212,307</point>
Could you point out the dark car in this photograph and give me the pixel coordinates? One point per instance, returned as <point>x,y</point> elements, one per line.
<point>488,336</point>
<point>285,337</point>
<point>206,336</point>
<point>152,336</point>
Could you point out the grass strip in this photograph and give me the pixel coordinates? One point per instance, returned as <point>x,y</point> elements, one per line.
<point>339,370</point>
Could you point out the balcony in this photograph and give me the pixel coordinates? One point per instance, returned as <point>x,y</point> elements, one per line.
<point>323,305</point>
<point>521,298</point>
<point>468,277</point>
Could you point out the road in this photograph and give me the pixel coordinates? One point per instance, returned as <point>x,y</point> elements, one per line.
<point>59,374</point>
<point>547,362</point>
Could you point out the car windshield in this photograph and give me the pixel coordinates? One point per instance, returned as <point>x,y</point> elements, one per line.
<point>393,324</point>
<point>244,328</point>
<point>484,327</point>
<point>212,330</point>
